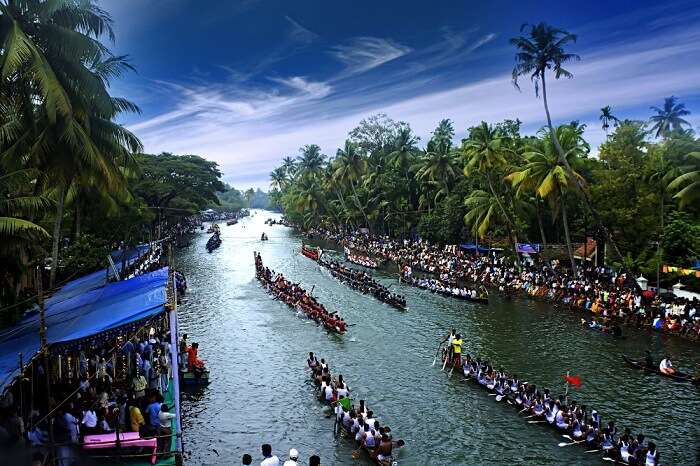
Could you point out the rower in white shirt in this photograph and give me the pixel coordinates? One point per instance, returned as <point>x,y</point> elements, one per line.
<point>666,366</point>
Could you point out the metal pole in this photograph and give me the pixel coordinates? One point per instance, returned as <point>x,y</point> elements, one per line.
<point>45,353</point>
<point>174,359</point>
<point>21,387</point>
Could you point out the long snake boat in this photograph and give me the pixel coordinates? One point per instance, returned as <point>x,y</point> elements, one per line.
<point>297,298</point>
<point>438,287</point>
<point>573,421</point>
<point>353,422</point>
<point>311,252</point>
<point>363,283</point>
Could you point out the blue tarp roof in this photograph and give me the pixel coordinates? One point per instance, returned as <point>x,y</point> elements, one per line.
<point>473,247</point>
<point>72,316</point>
<point>99,278</point>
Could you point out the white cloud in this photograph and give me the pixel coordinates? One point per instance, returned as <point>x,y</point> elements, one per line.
<point>248,132</point>
<point>364,53</point>
<point>313,89</point>
<point>299,33</point>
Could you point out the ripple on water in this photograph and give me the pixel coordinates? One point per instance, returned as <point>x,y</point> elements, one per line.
<point>256,349</point>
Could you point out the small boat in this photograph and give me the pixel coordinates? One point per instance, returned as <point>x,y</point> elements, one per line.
<point>613,331</point>
<point>233,221</point>
<point>191,378</point>
<point>214,242</point>
<point>680,376</point>
<point>263,237</point>
<point>311,253</point>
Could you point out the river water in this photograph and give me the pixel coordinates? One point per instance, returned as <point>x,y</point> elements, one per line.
<point>261,393</point>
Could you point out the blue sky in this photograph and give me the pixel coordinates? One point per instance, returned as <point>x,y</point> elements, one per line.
<point>248,82</point>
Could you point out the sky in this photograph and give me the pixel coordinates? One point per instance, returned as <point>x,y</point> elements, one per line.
<point>247,82</point>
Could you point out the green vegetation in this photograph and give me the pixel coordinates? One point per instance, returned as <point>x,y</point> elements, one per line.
<point>501,187</point>
<point>73,182</point>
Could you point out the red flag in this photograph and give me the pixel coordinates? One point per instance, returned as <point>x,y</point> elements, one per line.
<point>574,380</point>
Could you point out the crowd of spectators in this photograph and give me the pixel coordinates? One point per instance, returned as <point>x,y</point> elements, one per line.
<point>596,289</point>
<point>99,387</point>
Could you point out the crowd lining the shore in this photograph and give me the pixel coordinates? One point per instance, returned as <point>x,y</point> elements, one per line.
<point>599,290</point>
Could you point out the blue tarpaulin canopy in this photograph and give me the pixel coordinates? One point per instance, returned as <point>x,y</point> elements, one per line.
<point>474,247</point>
<point>99,278</point>
<point>72,315</point>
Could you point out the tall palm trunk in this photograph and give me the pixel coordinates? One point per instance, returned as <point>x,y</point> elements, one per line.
<point>359,206</point>
<point>567,236</point>
<point>338,194</point>
<point>511,226</point>
<point>540,224</point>
<point>577,182</point>
<point>78,220</point>
<point>57,233</point>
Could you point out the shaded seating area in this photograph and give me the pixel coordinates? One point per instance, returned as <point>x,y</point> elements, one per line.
<point>107,369</point>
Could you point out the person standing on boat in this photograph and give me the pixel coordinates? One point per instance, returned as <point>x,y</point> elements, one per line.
<point>666,366</point>
<point>457,350</point>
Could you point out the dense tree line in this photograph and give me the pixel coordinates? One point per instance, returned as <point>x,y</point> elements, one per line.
<point>638,195</point>
<point>73,182</point>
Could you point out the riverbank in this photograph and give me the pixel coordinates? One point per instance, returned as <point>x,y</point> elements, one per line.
<point>258,347</point>
<point>599,292</point>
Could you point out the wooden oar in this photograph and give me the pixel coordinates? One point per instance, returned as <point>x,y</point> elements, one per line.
<point>564,444</point>
<point>592,451</point>
<point>438,351</point>
<point>537,422</point>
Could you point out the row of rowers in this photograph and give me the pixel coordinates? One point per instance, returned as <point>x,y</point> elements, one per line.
<point>567,416</point>
<point>357,421</point>
<point>294,295</point>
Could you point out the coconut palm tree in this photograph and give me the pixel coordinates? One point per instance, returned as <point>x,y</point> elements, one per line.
<point>483,209</point>
<point>688,183</point>
<point>438,168</point>
<point>544,173</point>
<point>540,50</point>
<point>350,167</point>
<point>606,117</point>
<point>485,154</point>
<point>13,228</point>
<point>62,70</point>
<point>310,162</point>
<point>289,166</point>
<point>249,195</point>
<point>404,151</point>
<point>668,118</point>
<point>278,178</point>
